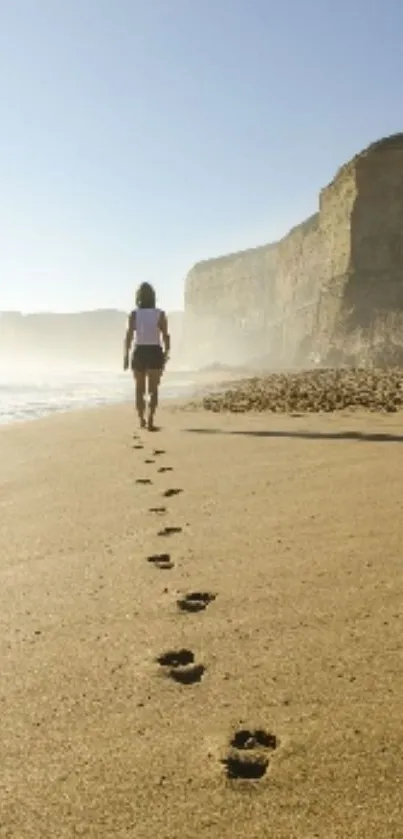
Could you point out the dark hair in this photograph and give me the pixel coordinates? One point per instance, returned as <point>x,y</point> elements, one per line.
<point>145,296</point>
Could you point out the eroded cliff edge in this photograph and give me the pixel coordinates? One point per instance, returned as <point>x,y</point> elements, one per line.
<point>331,289</point>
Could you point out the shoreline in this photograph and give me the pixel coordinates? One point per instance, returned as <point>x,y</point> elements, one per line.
<point>312,392</point>
<point>192,385</point>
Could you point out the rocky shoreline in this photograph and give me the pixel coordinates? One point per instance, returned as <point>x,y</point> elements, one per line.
<point>310,391</point>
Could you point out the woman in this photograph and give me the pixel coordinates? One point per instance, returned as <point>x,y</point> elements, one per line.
<point>148,360</point>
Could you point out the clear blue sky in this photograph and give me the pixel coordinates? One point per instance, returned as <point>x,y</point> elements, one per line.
<point>138,136</point>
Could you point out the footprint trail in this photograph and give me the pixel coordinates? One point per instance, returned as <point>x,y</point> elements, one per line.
<point>169,531</point>
<point>162,561</point>
<point>196,601</point>
<point>181,666</point>
<point>248,757</point>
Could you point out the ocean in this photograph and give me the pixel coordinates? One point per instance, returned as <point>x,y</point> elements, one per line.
<point>27,393</point>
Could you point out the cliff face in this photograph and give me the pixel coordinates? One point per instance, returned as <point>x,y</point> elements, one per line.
<point>332,288</point>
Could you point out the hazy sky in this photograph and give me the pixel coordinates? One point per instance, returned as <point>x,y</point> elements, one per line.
<point>138,136</point>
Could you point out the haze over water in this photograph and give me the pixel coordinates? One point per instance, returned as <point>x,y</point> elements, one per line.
<point>30,391</point>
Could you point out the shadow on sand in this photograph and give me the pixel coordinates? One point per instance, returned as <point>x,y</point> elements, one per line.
<point>370,437</point>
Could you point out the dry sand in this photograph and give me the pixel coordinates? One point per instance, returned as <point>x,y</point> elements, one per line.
<point>296,526</point>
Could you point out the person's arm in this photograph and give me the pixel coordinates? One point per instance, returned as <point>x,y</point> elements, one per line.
<point>163,325</point>
<point>131,326</point>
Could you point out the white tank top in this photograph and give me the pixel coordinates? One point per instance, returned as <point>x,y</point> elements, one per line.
<point>147,329</point>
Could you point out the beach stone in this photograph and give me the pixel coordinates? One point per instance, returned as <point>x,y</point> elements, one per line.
<point>311,391</point>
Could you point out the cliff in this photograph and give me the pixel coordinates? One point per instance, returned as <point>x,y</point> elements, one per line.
<point>85,338</point>
<point>331,289</point>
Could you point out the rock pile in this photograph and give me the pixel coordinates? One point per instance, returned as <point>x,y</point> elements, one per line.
<point>312,391</point>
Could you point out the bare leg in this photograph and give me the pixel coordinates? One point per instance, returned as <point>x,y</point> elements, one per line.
<point>140,379</point>
<point>154,377</point>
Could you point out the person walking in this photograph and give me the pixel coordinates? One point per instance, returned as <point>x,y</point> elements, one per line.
<point>146,326</point>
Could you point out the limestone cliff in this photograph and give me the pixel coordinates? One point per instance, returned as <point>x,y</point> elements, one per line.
<point>332,288</point>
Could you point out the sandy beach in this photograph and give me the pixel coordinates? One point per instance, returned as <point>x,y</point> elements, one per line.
<point>279,712</point>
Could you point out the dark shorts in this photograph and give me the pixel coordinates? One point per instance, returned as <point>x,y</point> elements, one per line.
<point>147,358</point>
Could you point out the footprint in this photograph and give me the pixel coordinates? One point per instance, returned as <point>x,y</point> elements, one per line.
<point>157,452</point>
<point>158,510</point>
<point>162,561</point>
<point>138,446</point>
<point>248,755</point>
<point>196,601</point>
<point>181,666</point>
<point>188,675</point>
<point>149,461</point>
<point>143,481</point>
<point>165,469</point>
<point>169,493</point>
<point>169,531</point>
<point>176,658</point>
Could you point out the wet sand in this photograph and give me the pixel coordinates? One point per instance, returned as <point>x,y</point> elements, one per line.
<point>292,529</point>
